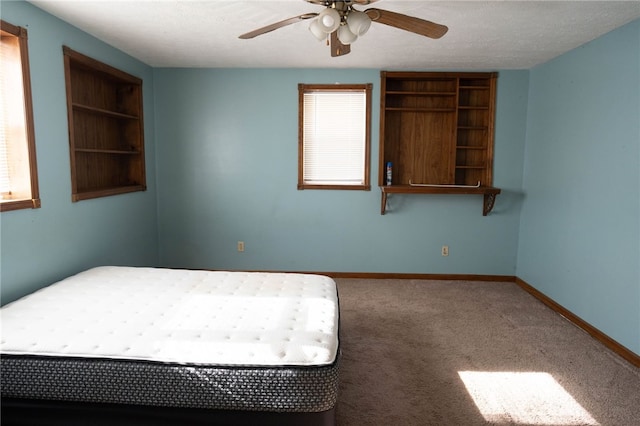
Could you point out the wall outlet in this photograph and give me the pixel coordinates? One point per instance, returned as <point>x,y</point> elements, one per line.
<point>240,246</point>
<point>445,250</point>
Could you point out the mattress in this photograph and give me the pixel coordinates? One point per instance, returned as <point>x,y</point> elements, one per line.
<point>177,338</point>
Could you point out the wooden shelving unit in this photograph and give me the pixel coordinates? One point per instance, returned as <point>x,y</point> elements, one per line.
<point>106,132</point>
<point>437,130</point>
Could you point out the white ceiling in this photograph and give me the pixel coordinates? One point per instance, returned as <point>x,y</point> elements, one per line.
<point>482,34</point>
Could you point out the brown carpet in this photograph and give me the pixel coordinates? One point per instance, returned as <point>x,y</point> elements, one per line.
<point>423,352</point>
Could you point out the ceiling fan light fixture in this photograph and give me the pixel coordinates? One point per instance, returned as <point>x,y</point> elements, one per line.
<point>316,29</point>
<point>345,35</point>
<point>339,24</point>
<point>358,22</point>
<point>329,20</point>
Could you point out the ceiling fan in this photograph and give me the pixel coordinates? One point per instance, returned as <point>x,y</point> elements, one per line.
<point>340,23</point>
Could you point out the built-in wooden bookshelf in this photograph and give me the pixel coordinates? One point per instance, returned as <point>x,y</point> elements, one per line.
<point>437,131</point>
<point>106,133</point>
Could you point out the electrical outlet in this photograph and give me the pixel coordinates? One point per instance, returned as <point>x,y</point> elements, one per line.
<point>445,250</point>
<point>240,246</point>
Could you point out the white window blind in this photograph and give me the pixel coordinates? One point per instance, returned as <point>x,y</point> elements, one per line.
<point>334,137</point>
<point>10,86</point>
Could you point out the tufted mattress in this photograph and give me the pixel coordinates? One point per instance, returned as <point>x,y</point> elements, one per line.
<point>176,338</point>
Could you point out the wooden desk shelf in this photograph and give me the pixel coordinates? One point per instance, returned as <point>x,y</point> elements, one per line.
<point>489,193</point>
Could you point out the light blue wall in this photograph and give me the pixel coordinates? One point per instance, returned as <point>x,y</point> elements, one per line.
<point>580,224</point>
<point>43,245</point>
<point>227,152</point>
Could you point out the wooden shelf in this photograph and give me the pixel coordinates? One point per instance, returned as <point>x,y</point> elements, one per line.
<point>420,109</point>
<point>101,111</point>
<point>105,192</point>
<point>416,93</point>
<point>489,193</point>
<point>107,151</point>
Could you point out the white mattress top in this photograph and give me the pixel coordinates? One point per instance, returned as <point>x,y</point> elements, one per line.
<point>180,316</point>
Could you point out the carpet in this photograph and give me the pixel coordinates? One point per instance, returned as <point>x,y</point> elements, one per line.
<point>426,352</point>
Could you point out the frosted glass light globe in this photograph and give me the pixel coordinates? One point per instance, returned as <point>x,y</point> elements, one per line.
<point>345,35</point>
<point>359,22</point>
<point>329,20</point>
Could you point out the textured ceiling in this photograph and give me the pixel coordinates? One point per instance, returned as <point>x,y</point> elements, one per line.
<point>482,34</point>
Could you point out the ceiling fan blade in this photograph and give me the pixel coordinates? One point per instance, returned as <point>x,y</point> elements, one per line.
<point>277,25</point>
<point>337,48</point>
<point>407,23</point>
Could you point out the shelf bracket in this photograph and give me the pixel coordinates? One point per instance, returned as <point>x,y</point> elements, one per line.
<point>383,207</point>
<point>489,201</point>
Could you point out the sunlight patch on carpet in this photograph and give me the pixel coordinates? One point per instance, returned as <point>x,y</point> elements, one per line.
<point>530,398</point>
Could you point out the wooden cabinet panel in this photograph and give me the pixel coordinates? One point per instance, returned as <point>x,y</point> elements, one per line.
<point>422,150</point>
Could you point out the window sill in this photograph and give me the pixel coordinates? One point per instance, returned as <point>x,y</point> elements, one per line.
<point>343,187</point>
<point>29,203</point>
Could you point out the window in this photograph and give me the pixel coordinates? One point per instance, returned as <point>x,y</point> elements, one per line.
<point>334,136</point>
<point>18,173</point>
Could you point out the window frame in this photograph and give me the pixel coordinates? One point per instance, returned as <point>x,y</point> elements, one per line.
<point>364,88</point>
<point>10,30</point>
